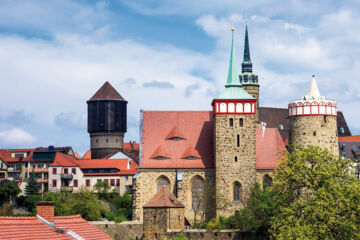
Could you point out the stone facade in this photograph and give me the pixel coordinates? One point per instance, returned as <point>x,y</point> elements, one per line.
<point>316,130</point>
<point>254,91</point>
<point>103,144</point>
<point>235,160</point>
<point>145,186</point>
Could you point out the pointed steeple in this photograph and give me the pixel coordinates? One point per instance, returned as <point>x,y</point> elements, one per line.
<point>313,93</point>
<point>246,64</point>
<point>233,74</point>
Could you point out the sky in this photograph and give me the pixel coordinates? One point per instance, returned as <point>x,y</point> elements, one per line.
<point>164,55</point>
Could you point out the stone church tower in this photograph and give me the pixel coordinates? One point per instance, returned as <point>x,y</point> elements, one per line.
<point>248,79</point>
<point>235,142</point>
<point>313,121</point>
<point>106,121</point>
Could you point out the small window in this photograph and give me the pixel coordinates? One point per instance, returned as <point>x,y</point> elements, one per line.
<point>99,180</point>
<point>325,119</point>
<point>241,122</point>
<point>314,133</point>
<point>75,183</point>
<point>66,171</point>
<point>231,122</point>
<point>236,192</point>
<point>88,182</point>
<point>107,140</point>
<point>26,165</point>
<point>160,158</point>
<point>235,158</point>
<point>54,171</point>
<point>97,140</point>
<point>238,140</point>
<point>126,177</point>
<point>190,158</point>
<point>343,149</point>
<point>267,180</point>
<point>281,127</point>
<point>54,183</point>
<point>118,182</point>
<point>112,182</point>
<point>342,130</point>
<point>74,171</point>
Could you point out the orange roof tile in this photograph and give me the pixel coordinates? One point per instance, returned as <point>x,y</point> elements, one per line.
<point>120,164</point>
<point>107,91</point>
<point>269,148</point>
<point>175,133</point>
<point>64,160</point>
<point>160,152</point>
<point>81,227</point>
<point>164,198</point>
<point>196,127</point>
<point>355,138</point>
<point>87,155</point>
<point>5,155</point>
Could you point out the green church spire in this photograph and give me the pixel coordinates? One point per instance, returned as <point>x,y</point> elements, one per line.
<point>233,89</point>
<point>233,74</point>
<point>246,64</point>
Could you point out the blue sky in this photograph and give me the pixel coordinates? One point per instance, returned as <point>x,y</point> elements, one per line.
<point>164,55</point>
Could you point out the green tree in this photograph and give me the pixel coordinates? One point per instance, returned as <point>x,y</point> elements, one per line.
<point>317,197</point>
<point>32,186</point>
<point>103,189</point>
<point>8,190</point>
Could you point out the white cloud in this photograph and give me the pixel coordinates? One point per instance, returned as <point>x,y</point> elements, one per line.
<point>16,136</point>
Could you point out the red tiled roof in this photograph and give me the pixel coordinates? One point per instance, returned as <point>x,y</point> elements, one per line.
<point>87,155</point>
<point>64,160</point>
<point>175,133</point>
<point>81,227</point>
<point>5,155</point>
<point>131,145</point>
<point>268,148</point>
<point>196,127</point>
<point>24,228</point>
<point>355,138</point>
<point>77,155</point>
<point>107,91</point>
<point>164,198</point>
<point>120,164</point>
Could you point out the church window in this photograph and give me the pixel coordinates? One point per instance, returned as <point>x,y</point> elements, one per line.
<point>241,122</point>
<point>235,158</point>
<point>197,193</point>
<point>314,133</point>
<point>162,181</point>
<point>267,180</point>
<point>237,192</point>
<point>231,122</point>
<point>238,140</point>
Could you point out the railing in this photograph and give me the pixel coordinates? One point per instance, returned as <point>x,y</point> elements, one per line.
<point>14,169</point>
<point>66,176</point>
<point>66,189</point>
<point>38,170</point>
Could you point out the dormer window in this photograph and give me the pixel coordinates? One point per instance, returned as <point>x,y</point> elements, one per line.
<point>191,158</point>
<point>160,158</point>
<point>175,134</point>
<point>176,138</point>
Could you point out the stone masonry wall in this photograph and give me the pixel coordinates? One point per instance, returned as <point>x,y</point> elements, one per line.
<point>228,170</point>
<point>253,91</point>
<point>145,188</point>
<point>155,223</point>
<point>317,130</point>
<point>121,231</point>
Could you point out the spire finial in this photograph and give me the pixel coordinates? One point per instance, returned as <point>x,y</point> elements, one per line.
<point>246,64</point>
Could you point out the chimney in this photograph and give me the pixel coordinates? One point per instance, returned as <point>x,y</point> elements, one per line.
<point>46,210</point>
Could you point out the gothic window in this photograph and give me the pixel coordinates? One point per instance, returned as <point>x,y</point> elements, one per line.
<point>231,122</point>
<point>197,193</point>
<point>267,180</point>
<point>162,181</point>
<point>237,191</point>
<point>241,122</point>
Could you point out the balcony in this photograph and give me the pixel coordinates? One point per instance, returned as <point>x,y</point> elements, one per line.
<point>66,189</point>
<point>42,180</point>
<point>66,176</point>
<point>14,169</point>
<point>39,170</point>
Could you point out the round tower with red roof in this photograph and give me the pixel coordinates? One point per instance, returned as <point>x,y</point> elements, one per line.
<point>313,121</point>
<point>235,142</point>
<point>106,121</point>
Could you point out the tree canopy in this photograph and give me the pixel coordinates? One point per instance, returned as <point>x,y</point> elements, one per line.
<point>8,189</point>
<point>317,197</point>
<point>32,186</point>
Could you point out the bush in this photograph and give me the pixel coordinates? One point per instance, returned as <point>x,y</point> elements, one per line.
<point>219,223</point>
<point>179,237</point>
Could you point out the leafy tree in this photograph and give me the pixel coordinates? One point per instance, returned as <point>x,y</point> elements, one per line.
<point>8,190</point>
<point>32,186</point>
<point>103,189</point>
<point>317,197</point>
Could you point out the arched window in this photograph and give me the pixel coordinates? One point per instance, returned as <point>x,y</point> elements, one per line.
<point>267,180</point>
<point>237,192</point>
<point>222,107</point>
<point>162,181</point>
<point>231,107</point>
<point>197,193</point>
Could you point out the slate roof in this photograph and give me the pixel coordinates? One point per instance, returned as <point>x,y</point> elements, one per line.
<point>274,117</point>
<point>25,228</point>
<point>107,91</point>
<point>194,130</point>
<point>164,198</point>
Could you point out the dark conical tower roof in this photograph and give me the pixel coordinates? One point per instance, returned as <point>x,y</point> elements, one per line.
<point>107,91</point>
<point>246,64</point>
